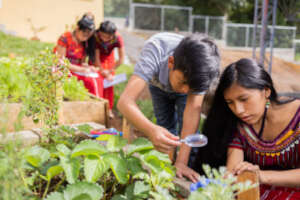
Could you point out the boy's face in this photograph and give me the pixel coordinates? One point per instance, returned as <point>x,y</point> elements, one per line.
<point>176,78</point>
<point>105,37</point>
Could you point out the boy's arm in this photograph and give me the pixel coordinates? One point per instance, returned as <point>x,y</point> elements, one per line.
<point>162,139</point>
<point>191,118</point>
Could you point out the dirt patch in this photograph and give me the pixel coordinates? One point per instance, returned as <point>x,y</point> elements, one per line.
<point>286,75</point>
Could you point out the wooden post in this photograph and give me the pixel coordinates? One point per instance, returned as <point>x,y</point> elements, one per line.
<point>126,129</point>
<point>252,194</point>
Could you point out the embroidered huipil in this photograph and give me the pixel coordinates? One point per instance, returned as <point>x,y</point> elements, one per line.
<point>75,53</point>
<point>280,154</point>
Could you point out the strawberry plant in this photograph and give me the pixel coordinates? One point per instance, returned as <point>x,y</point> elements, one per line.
<point>121,171</point>
<point>219,186</point>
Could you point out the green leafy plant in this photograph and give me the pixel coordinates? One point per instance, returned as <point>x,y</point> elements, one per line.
<point>45,74</point>
<point>223,187</point>
<point>122,171</point>
<point>74,90</point>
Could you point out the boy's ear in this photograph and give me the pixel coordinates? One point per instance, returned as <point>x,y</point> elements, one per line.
<point>171,62</point>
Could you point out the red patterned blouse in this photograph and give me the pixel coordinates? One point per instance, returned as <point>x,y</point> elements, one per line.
<point>280,154</point>
<point>75,52</point>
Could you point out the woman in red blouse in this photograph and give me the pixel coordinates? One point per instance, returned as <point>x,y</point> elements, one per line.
<point>263,131</point>
<point>73,46</point>
<point>107,39</point>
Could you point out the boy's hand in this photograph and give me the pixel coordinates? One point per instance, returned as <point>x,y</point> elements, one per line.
<point>182,170</point>
<point>163,140</point>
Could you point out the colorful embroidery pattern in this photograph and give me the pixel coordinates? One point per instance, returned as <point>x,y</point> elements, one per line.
<point>281,153</point>
<point>74,51</point>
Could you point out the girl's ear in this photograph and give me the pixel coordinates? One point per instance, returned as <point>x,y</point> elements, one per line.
<point>171,62</point>
<point>267,92</point>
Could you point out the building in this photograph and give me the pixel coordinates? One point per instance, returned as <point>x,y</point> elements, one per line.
<point>45,19</point>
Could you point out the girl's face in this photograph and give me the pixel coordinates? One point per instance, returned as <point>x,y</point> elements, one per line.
<point>105,37</point>
<point>247,104</point>
<point>83,35</point>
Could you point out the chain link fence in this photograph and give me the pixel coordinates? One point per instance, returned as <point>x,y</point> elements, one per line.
<point>241,35</point>
<point>163,17</point>
<point>210,25</point>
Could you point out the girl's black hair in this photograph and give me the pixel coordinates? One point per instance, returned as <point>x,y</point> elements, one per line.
<point>86,23</point>
<point>221,123</point>
<point>107,27</point>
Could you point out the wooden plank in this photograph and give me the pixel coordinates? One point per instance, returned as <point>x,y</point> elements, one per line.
<point>252,194</point>
<point>70,112</point>
<point>126,127</point>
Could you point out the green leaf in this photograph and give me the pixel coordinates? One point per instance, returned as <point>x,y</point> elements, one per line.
<point>115,143</point>
<point>153,163</point>
<point>85,128</point>
<point>94,168</point>
<point>119,167</point>
<point>141,189</point>
<point>55,196</point>
<point>119,197</point>
<point>71,167</point>
<point>160,156</point>
<point>53,171</point>
<point>88,147</point>
<point>140,144</point>
<point>36,156</point>
<point>4,165</point>
<point>161,194</point>
<point>83,190</point>
<point>134,165</point>
<point>63,149</point>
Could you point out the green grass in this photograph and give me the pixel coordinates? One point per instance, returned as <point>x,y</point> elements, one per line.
<point>297,57</point>
<point>145,105</point>
<point>20,46</point>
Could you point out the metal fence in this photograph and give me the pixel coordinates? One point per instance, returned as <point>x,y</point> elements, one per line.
<point>210,25</point>
<point>297,49</point>
<point>161,17</point>
<point>116,8</point>
<point>241,35</point>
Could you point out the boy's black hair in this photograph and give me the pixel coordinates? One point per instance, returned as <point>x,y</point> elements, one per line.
<point>107,27</point>
<point>86,23</point>
<point>198,58</point>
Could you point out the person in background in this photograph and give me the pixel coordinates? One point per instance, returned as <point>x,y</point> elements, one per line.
<point>74,47</point>
<point>105,40</point>
<point>178,70</point>
<point>261,130</point>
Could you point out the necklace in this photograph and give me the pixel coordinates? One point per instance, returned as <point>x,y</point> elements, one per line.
<point>263,123</point>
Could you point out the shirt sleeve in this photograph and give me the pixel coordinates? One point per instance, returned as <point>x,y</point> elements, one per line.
<point>63,41</point>
<point>120,42</point>
<point>236,141</point>
<point>148,64</point>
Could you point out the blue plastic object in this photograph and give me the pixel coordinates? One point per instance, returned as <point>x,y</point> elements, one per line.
<point>203,183</point>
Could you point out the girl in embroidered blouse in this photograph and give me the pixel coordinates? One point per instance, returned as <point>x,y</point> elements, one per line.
<point>74,46</point>
<point>263,131</point>
<point>105,40</point>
